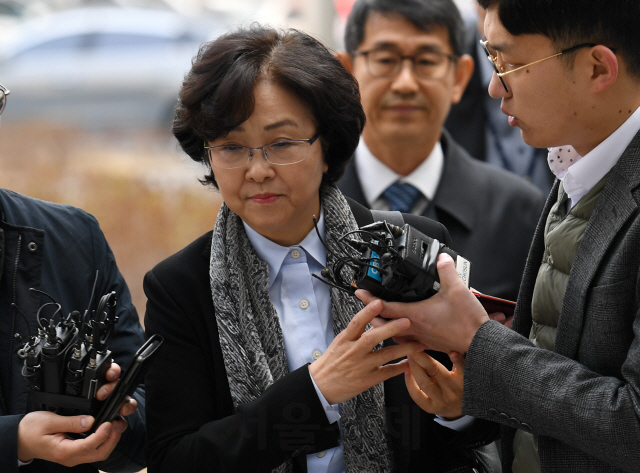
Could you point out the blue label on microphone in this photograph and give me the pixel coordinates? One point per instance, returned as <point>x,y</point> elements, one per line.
<point>374,272</point>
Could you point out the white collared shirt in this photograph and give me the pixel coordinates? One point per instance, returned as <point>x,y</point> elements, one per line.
<point>583,175</point>
<point>376,176</point>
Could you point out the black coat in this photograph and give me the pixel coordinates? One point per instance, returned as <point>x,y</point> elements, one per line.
<point>192,426</point>
<point>491,215</point>
<point>58,249</point>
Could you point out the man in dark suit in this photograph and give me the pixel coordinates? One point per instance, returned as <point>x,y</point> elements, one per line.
<point>407,58</point>
<point>565,383</point>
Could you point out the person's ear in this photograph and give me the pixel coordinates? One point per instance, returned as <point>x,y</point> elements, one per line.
<point>463,72</point>
<point>604,64</point>
<point>345,58</point>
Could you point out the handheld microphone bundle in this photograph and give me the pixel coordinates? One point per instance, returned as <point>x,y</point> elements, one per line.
<point>66,362</point>
<point>395,263</point>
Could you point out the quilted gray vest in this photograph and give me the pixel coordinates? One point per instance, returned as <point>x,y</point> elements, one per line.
<point>562,236</point>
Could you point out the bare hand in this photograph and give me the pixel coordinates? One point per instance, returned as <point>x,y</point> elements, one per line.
<point>349,366</point>
<point>500,317</point>
<point>43,435</point>
<point>446,321</point>
<point>128,406</point>
<point>433,387</point>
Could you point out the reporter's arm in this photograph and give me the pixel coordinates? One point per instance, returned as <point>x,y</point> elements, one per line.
<point>9,442</point>
<point>42,435</point>
<point>509,380</point>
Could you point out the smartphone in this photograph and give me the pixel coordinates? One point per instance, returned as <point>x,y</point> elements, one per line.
<point>495,304</point>
<point>128,382</point>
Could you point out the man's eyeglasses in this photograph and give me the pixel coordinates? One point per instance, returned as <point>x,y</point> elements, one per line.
<point>3,97</point>
<point>501,72</point>
<point>429,65</point>
<point>280,153</point>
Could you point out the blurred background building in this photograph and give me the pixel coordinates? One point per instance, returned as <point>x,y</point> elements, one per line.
<point>102,64</point>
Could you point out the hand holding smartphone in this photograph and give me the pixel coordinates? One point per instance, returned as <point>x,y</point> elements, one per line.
<point>128,383</point>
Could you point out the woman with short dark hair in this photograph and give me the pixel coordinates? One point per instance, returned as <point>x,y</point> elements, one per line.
<point>265,368</point>
<point>217,95</point>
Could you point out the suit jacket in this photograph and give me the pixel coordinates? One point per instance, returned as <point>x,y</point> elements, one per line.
<point>582,398</point>
<point>490,213</point>
<point>192,425</point>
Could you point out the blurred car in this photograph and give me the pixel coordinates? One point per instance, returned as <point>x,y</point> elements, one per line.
<point>101,67</point>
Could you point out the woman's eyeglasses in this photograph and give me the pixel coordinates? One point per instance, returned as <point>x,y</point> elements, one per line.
<point>3,97</point>
<point>280,153</point>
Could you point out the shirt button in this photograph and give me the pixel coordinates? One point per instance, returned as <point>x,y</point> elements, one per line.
<point>32,246</point>
<point>316,354</point>
<point>321,454</point>
<point>304,304</point>
<point>295,254</point>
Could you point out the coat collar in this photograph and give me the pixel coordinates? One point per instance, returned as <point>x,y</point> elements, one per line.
<point>457,177</point>
<point>350,184</point>
<point>617,204</point>
<point>2,197</point>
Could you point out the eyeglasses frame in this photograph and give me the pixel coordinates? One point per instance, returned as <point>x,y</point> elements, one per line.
<point>264,152</point>
<point>500,75</point>
<point>4,92</point>
<point>451,57</point>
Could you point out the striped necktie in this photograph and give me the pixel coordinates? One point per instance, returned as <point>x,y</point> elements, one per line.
<point>401,196</point>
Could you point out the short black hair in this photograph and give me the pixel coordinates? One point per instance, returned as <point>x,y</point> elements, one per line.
<point>424,14</point>
<point>567,23</point>
<point>217,93</point>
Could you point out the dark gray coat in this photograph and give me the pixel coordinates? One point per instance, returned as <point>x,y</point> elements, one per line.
<point>583,398</point>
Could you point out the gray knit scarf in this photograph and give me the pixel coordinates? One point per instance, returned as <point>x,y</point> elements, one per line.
<point>252,342</point>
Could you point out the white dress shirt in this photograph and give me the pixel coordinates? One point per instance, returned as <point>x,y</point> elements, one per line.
<point>580,177</point>
<point>376,176</point>
<point>303,304</point>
